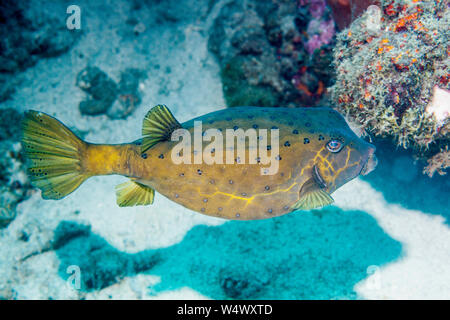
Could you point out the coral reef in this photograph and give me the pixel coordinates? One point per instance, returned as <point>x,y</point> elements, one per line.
<point>105,96</point>
<point>438,163</point>
<point>389,63</point>
<point>274,53</point>
<point>14,183</point>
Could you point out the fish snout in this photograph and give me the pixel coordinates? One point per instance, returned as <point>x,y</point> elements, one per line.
<point>371,162</point>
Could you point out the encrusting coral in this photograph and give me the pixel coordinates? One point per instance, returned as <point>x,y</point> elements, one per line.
<point>391,65</point>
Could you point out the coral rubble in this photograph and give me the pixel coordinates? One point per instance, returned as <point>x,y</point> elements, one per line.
<point>388,63</point>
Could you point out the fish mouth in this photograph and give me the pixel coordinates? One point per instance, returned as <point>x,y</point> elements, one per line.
<point>318,178</point>
<point>369,166</point>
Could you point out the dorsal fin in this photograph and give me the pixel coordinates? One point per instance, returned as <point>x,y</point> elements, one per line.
<point>158,125</point>
<point>312,196</point>
<point>132,193</point>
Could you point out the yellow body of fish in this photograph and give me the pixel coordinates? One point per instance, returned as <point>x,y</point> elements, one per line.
<point>316,153</point>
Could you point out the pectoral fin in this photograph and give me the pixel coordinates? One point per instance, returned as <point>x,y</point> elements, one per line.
<point>158,125</point>
<point>312,196</point>
<point>132,193</point>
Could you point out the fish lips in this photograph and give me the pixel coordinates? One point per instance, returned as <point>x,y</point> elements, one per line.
<point>370,165</point>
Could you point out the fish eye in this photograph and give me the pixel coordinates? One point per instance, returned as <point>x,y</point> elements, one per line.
<point>334,146</point>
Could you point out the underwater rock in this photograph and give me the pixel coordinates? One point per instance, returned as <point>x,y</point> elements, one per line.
<point>105,96</point>
<point>10,127</point>
<point>101,90</point>
<point>264,51</point>
<point>389,63</point>
<point>128,95</point>
<point>14,183</point>
<point>27,35</point>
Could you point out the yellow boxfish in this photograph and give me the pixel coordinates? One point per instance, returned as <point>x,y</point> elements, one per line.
<point>289,159</point>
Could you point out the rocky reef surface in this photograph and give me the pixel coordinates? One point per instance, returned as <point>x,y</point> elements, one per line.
<point>274,53</point>
<point>14,184</point>
<point>392,76</point>
<point>26,36</point>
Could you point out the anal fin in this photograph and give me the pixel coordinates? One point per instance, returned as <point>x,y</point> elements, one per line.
<point>312,196</point>
<point>132,193</point>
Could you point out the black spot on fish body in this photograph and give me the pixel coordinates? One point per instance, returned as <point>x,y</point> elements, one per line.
<point>305,141</point>
<point>161,156</point>
<point>295,131</point>
<point>269,148</point>
<point>199,172</point>
<point>235,128</point>
<point>144,156</point>
<point>287,144</point>
<point>267,188</point>
<point>255,126</point>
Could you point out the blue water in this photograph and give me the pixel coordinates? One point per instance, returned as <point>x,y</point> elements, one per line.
<point>320,254</point>
<point>399,177</point>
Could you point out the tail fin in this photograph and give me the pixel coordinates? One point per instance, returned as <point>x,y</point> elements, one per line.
<point>54,153</point>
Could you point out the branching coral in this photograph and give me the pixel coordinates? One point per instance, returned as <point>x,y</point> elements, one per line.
<point>389,63</point>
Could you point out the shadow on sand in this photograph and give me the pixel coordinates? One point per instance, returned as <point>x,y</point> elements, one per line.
<point>320,254</point>
<point>401,181</point>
